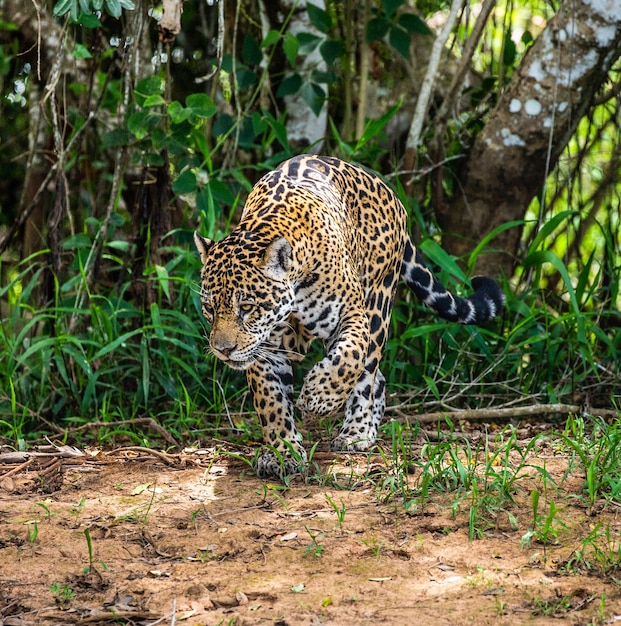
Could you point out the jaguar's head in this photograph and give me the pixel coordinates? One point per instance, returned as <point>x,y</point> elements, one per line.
<point>245,293</point>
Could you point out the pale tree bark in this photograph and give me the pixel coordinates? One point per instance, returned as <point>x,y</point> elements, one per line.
<point>303,126</point>
<point>426,91</point>
<point>529,128</point>
<point>170,24</point>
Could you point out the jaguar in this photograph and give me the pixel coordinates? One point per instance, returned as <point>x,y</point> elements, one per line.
<point>317,254</point>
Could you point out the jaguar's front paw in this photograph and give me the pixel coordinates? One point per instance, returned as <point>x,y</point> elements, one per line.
<point>274,464</point>
<point>351,443</point>
<point>321,394</point>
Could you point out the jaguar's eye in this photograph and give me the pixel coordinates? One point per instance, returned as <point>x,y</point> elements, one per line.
<point>208,313</point>
<point>245,308</point>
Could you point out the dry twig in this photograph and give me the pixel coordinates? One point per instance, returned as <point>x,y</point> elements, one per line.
<point>507,413</point>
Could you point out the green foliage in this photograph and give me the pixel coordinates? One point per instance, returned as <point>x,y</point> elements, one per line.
<point>83,11</point>
<point>83,343</point>
<point>63,594</point>
<point>397,28</point>
<point>106,361</point>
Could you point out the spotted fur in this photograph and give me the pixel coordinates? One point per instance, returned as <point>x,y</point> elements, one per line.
<point>317,254</point>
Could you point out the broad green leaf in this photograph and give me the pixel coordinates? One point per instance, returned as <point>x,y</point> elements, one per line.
<point>509,51</point>
<point>331,50</point>
<point>185,183</point>
<point>222,125</point>
<point>289,86</point>
<point>139,124</point>
<point>63,6</point>
<point>251,51</point>
<point>85,7</point>
<point>146,87</point>
<point>413,24</point>
<point>80,240</point>
<point>270,39</point>
<point>400,40</point>
<point>314,96</point>
<point>527,38</point>
<point>319,18</point>
<point>177,112</point>
<point>279,130</point>
<point>113,7</point>
<point>121,246</point>
<point>377,29</point>
<point>246,78</point>
<point>391,6</point>
<point>81,52</point>
<point>201,105</point>
<point>90,20</point>
<point>115,138</point>
<point>308,42</point>
<point>259,123</point>
<point>291,45</point>
<point>154,100</point>
<point>323,77</point>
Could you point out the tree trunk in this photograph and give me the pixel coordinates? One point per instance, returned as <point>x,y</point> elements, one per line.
<point>529,128</point>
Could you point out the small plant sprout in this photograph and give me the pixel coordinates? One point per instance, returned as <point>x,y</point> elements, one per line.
<point>544,528</point>
<point>274,490</point>
<point>63,594</point>
<point>314,548</point>
<point>194,516</point>
<point>91,569</point>
<point>339,510</point>
<point>89,545</point>
<point>46,509</point>
<point>32,531</point>
<point>374,545</point>
<point>76,510</point>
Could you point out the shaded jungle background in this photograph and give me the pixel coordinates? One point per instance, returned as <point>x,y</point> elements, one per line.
<point>126,125</point>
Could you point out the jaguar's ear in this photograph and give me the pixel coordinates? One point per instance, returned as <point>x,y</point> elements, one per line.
<point>278,258</point>
<point>202,245</point>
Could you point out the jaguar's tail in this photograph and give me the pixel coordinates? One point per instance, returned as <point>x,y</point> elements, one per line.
<point>484,304</point>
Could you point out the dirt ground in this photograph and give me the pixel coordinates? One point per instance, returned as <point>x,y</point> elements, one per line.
<point>135,537</point>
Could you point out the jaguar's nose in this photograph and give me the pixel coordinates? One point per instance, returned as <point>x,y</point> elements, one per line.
<point>223,346</point>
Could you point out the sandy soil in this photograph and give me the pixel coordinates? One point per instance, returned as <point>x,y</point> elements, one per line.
<point>195,538</point>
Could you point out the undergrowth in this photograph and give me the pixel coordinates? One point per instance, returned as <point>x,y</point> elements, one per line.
<point>103,359</point>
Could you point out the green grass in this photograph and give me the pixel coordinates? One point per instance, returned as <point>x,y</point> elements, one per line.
<point>72,361</point>
<point>106,361</point>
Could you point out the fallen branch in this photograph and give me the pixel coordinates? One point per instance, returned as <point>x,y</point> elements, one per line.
<point>43,452</point>
<point>167,459</point>
<point>507,413</point>
<point>149,422</point>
